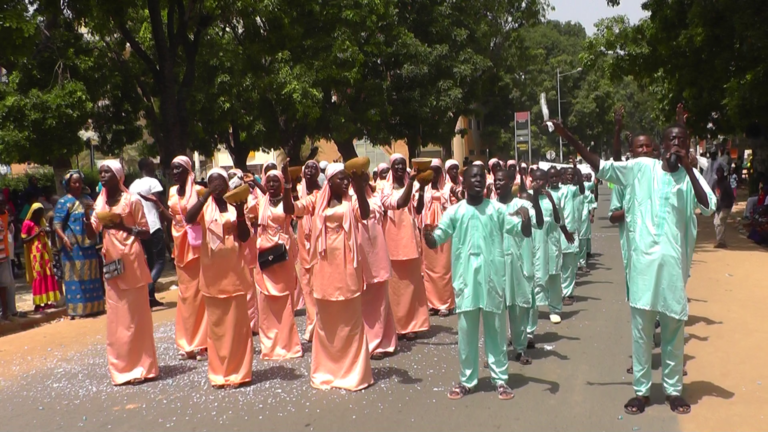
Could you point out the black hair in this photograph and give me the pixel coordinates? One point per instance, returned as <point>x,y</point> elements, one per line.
<point>673,126</point>
<point>144,163</point>
<point>534,171</point>
<point>553,169</point>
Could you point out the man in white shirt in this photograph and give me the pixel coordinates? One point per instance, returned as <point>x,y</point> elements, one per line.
<point>154,246</point>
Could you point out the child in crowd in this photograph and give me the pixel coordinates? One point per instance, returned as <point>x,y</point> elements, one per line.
<point>39,259</point>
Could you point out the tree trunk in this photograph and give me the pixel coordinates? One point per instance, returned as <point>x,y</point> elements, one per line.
<point>60,167</point>
<point>414,146</point>
<point>237,150</point>
<point>346,147</point>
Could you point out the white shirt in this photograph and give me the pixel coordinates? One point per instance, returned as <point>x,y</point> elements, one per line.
<point>148,186</point>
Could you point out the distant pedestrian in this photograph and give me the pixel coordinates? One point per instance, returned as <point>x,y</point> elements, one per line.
<point>725,200</point>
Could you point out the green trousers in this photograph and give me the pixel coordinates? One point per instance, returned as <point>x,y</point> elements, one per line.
<point>519,318</point>
<point>551,294</point>
<point>570,265</point>
<point>585,247</point>
<point>672,343</point>
<point>495,336</point>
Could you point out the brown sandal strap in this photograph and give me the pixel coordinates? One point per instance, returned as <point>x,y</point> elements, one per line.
<point>459,391</point>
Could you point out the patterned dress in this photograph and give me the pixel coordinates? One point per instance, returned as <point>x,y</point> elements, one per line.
<point>80,267</point>
<point>39,265</point>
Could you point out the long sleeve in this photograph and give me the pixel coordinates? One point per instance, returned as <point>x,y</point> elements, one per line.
<point>446,227</point>
<point>619,173</point>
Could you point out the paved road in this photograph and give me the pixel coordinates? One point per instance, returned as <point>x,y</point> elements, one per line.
<point>577,381</point>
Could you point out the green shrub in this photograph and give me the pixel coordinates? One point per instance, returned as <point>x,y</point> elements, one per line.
<point>18,183</point>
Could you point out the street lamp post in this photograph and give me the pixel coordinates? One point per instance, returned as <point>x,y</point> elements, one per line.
<point>559,109</point>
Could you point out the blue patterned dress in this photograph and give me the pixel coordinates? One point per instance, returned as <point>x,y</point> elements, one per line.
<point>83,285</point>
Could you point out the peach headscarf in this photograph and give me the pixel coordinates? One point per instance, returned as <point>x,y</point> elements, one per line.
<point>213,215</point>
<point>303,192</point>
<point>511,162</point>
<point>491,162</point>
<point>389,183</point>
<point>265,210</point>
<point>117,168</point>
<point>440,185</point>
<point>190,197</point>
<point>318,245</point>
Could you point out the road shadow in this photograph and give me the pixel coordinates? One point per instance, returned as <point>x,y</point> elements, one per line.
<point>696,300</point>
<point>518,381</point>
<point>552,337</point>
<point>436,330</point>
<point>402,376</point>
<point>584,282</point>
<point>166,305</point>
<point>582,298</point>
<point>539,353</point>
<point>300,313</point>
<point>695,319</point>
<point>171,371</point>
<point>564,315</point>
<point>695,391</point>
<point>276,373</point>
<point>691,336</point>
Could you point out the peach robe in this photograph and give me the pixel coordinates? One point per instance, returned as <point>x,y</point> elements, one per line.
<point>278,334</point>
<point>305,269</point>
<point>407,295</point>
<point>225,282</point>
<point>131,350</point>
<point>437,262</point>
<point>340,355</point>
<point>379,322</point>
<point>252,260</point>
<point>191,318</point>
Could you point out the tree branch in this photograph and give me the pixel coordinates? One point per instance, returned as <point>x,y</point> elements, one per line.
<point>169,28</point>
<point>158,33</point>
<point>137,48</point>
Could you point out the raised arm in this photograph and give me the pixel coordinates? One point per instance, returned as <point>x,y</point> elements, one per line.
<point>405,197</point>
<point>592,159</point>
<point>618,121</point>
<point>420,200</point>
<point>287,186</point>
<point>360,185</point>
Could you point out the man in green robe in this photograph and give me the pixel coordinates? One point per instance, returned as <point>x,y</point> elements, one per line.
<point>663,195</point>
<point>570,201</point>
<point>518,256</point>
<point>476,226</point>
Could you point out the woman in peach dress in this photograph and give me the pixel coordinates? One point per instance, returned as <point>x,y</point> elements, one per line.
<point>224,282</point>
<point>131,354</point>
<point>407,295</point>
<point>380,327</point>
<point>191,318</point>
<point>453,180</point>
<point>340,356</point>
<point>437,262</point>
<point>278,334</point>
<point>308,192</point>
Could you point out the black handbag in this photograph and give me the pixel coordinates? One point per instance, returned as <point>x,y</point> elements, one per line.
<point>273,255</point>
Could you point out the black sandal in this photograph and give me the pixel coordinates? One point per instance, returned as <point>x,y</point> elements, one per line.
<point>531,344</point>
<point>410,337</point>
<point>678,405</point>
<point>523,359</point>
<point>459,391</point>
<point>631,370</point>
<point>636,405</point>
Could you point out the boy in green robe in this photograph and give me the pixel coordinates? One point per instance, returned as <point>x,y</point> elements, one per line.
<point>518,256</point>
<point>570,202</point>
<point>547,254</point>
<point>476,226</point>
<point>587,218</point>
<point>664,194</point>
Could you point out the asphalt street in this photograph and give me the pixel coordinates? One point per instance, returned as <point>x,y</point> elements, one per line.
<point>577,382</point>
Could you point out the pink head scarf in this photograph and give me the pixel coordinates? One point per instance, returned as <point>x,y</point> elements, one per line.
<point>265,210</point>
<point>440,185</point>
<point>511,162</point>
<point>491,162</point>
<point>392,159</point>
<point>318,245</point>
<point>190,197</point>
<point>303,192</point>
<point>449,163</point>
<point>213,215</point>
<point>478,163</point>
<point>115,166</point>
<point>381,166</point>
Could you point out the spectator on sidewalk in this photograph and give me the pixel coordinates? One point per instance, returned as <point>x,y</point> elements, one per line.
<point>38,259</point>
<point>79,258</point>
<point>154,246</point>
<point>725,199</point>
<point>7,283</point>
